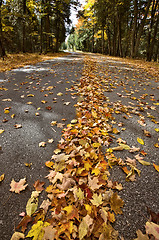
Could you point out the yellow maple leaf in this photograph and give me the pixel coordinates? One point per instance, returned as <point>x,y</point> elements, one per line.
<point>37,231</point>
<point>97,199</point>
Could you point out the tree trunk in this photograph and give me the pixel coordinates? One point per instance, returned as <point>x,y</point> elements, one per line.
<point>109,42</point>
<point>134,30</point>
<point>137,43</point>
<point>156,53</point>
<point>119,36</point>
<point>153,40</point>
<point>153,11</point>
<point>57,37</point>
<point>102,39</point>
<point>2,49</point>
<point>24,32</point>
<point>114,36</point>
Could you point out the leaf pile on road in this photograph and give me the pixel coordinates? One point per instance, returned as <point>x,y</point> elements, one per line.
<point>82,201</point>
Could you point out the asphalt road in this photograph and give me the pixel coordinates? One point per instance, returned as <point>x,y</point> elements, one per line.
<point>19,146</point>
<point>125,88</point>
<point>134,95</point>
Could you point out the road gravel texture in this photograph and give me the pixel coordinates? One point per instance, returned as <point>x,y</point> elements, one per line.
<point>126,87</point>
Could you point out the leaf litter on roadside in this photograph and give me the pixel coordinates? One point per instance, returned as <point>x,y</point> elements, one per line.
<point>79,187</point>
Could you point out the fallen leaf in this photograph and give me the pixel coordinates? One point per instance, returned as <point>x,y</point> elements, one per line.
<point>72,212</point>
<point>59,94</point>
<point>153,229</point>
<point>50,233</point>
<point>147,133</point>
<point>17,187</point>
<point>24,222</point>
<point>97,199</point>
<point>32,203</point>
<point>1,177</point>
<point>140,141</point>
<point>37,230</point>
<point>1,131</point>
<point>50,140</point>
<point>38,185</point>
<point>53,123</point>
<point>42,144</point>
<point>141,236</point>
<point>28,165</point>
<point>74,121</point>
<point>157,129</point>
<point>7,100</point>
<point>93,183</point>
<point>66,103</point>
<point>156,167</point>
<point>17,236</point>
<point>18,126</point>
<point>84,226</point>
<point>60,125</point>
<point>30,95</point>
<point>116,203</point>
<point>49,108</point>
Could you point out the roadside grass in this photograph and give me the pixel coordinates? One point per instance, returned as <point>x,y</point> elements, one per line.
<point>13,61</point>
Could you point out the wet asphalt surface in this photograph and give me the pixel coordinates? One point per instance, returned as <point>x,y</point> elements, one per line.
<point>124,86</point>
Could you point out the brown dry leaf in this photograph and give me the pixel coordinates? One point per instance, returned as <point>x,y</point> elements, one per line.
<point>24,222</point>
<point>17,187</point>
<point>93,183</point>
<point>18,126</point>
<point>153,229</point>
<point>121,147</point>
<point>17,236</point>
<point>42,144</point>
<point>38,185</point>
<point>116,203</point>
<point>141,236</point>
<point>45,204</point>
<point>53,123</point>
<point>72,212</point>
<point>50,232</point>
<point>51,140</point>
<point>60,125</point>
<point>60,157</point>
<point>147,133</point>
<point>1,177</point>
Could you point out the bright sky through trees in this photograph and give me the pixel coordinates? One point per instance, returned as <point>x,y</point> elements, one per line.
<point>74,13</point>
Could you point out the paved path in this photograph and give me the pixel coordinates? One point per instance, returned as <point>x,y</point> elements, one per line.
<point>132,93</point>
<point>19,146</point>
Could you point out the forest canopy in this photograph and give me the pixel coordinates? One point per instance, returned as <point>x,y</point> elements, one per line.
<point>118,28</point>
<point>34,25</point>
<point>114,27</point>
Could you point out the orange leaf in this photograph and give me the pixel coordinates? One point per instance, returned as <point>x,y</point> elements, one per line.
<point>156,167</point>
